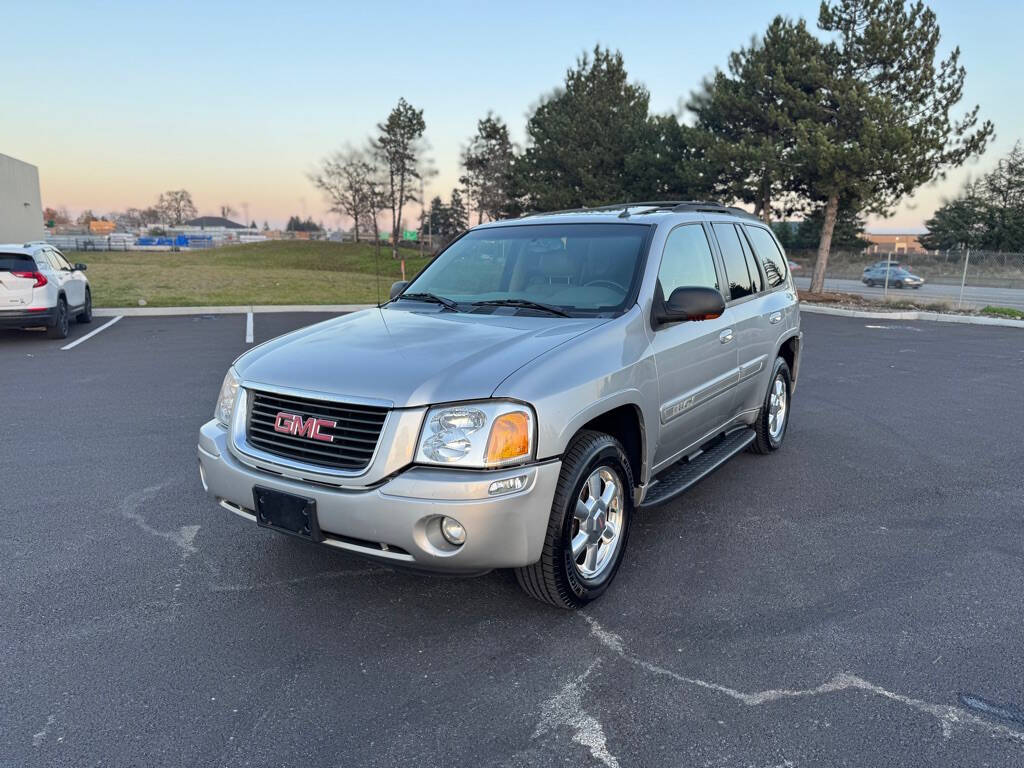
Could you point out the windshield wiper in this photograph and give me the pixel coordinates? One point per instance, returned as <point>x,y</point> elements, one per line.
<point>433,299</point>
<point>522,303</point>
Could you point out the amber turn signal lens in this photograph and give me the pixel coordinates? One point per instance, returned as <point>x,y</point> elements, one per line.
<point>510,438</point>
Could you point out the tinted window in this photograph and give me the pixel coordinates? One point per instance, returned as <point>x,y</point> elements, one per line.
<point>736,272</point>
<point>772,260</point>
<point>755,274</point>
<point>59,260</point>
<point>687,260</point>
<point>590,268</point>
<point>14,262</point>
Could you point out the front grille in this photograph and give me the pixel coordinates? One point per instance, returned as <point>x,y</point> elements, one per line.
<point>355,435</point>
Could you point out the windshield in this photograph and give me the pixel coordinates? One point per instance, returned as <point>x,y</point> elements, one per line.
<point>581,269</point>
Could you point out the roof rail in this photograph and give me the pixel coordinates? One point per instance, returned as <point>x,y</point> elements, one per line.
<point>679,206</point>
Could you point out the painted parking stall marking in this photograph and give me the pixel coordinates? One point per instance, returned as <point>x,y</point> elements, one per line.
<point>89,335</point>
<point>248,327</point>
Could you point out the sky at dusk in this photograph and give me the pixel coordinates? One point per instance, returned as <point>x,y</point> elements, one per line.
<point>116,102</point>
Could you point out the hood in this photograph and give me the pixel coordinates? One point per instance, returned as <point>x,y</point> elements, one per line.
<point>409,358</point>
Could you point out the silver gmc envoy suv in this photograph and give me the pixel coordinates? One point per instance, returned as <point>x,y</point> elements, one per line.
<point>541,382</point>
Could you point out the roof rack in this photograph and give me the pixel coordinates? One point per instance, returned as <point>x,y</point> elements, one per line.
<point>654,206</point>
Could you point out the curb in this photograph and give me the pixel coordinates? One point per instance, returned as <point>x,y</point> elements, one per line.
<point>237,310</point>
<point>938,317</point>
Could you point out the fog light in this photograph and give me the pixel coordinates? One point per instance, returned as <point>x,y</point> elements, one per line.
<point>453,531</point>
<point>507,485</point>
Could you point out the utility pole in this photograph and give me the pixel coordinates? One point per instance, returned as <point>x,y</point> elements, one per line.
<point>423,210</point>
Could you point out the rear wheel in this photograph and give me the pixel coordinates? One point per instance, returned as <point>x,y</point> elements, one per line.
<point>773,418</point>
<point>85,316</point>
<point>588,526</point>
<point>59,329</point>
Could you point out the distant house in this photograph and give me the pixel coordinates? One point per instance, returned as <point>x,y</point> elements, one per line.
<point>214,222</point>
<point>894,243</point>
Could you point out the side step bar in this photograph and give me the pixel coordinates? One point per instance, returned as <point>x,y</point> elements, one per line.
<point>682,475</point>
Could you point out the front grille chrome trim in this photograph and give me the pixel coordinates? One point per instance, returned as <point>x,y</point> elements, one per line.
<point>258,458</point>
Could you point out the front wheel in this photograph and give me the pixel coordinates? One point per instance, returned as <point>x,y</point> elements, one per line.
<point>588,526</point>
<point>899,284</point>
<point>773,418</point>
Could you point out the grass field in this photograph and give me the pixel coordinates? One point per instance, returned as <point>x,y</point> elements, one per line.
<point>259,273</point>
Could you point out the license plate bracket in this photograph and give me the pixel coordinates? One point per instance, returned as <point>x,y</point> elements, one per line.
<point>286,513</point>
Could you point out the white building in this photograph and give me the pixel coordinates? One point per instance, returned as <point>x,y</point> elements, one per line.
<point>21,208</point>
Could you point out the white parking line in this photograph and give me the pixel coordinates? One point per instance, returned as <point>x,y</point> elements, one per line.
<point>248,327</point>
<point>89,335</point>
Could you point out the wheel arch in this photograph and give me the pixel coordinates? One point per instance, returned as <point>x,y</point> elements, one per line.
<point>789,350</point>
<point>622,417</point>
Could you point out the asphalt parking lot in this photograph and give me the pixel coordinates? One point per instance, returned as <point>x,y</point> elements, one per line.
<point>855,599</point>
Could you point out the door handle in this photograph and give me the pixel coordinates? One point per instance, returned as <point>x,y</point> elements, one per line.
<point>725,336</point>
<point>775,317</point>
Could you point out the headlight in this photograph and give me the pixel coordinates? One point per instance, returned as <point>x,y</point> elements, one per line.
<point>226,398</point>
<point>483,434</point>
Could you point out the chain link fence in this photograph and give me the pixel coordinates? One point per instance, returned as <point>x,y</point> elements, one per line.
<point>968,279</point>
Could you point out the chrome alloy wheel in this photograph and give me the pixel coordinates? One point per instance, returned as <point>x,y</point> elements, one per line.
<point>777,408</point>
<point>597,522</point>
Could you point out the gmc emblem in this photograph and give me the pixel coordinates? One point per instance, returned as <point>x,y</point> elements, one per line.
<point>291,424</point>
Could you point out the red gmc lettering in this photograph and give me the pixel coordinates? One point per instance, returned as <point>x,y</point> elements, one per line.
<point>292,424</point>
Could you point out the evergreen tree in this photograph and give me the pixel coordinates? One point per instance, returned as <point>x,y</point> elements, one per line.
<point>581,138</point>
<point>987,214</point>
<point>398,146</point>
<point>751,116</point>
<point>846,235</point>
<point>883,127</point>
<point>488,162</point>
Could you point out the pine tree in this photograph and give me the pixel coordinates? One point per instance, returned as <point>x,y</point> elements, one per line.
<point>750,115</point>
<point>582,136</point>
<point>488,162</point>
<point>883,126</point>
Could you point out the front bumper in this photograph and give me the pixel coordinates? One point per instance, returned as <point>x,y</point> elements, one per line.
<point>20,318</point>
<point>398,521</point>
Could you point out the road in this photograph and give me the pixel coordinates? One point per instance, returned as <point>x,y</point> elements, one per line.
<point>854,599</point>
<point>974,296</point>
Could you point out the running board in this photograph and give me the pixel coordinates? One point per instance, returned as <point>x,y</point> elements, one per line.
<point>684,474</point>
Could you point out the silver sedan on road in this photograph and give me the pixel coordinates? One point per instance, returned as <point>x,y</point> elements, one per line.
<point>897,278</point>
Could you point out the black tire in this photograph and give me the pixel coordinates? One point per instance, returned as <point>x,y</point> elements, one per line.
<point>59,329</point>
<point>898,284</point>
<point>556,578</point>
<point>764,442</point>
<point>869,283</point>
<point>85,316</point>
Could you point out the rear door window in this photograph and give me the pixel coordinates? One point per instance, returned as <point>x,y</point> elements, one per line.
<point>16,262</point>
<point>737,274</point>
<point>767,251</point>
<point>687,260</point>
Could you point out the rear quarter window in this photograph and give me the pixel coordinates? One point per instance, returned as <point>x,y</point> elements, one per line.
<point>771,258</point>
<point>16,262</point>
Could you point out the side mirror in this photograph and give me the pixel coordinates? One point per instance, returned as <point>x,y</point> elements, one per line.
<point>397,288</point>
<point>80,267</point>
<point>692,303</point>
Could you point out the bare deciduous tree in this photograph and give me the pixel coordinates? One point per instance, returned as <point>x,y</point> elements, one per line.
<point>176,206</point>
<point>350,180</point>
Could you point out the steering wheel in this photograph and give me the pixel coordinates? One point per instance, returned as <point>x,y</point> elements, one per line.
<point>605,283</point>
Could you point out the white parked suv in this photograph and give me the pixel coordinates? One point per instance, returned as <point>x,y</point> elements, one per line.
<point>39,287</point>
